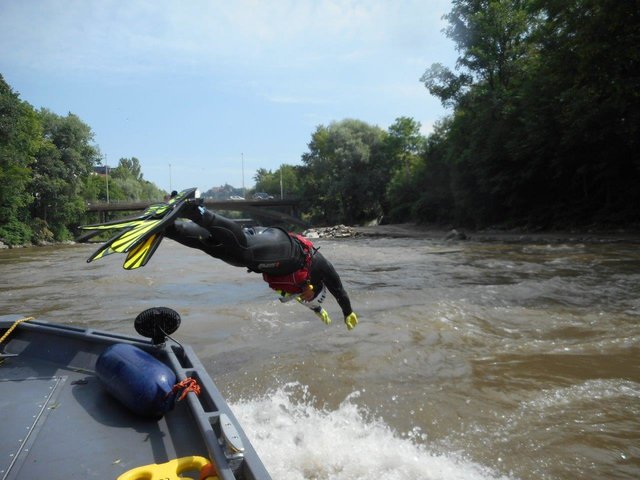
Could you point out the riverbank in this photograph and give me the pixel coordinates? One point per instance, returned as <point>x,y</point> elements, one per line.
<point>444,234</point>
<point>410,230</point>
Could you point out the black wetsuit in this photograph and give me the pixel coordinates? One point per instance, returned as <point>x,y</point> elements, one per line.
<point>261,250</point>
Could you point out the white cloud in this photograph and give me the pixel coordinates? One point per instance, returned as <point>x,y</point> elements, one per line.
<point>241,74</point>
<point>138,36</point>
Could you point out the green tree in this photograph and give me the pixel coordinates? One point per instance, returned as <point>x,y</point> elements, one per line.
<point>47,172</point>
<point>346,172</point>
<point>94,188</point>
<point>265,181</point>
<point>126,183</point>
<point>125,180</point>
<point>64,161</point>
<point>435,203</point>
<point>128,168</point>
<point>589,60</point>
<point>150,191</point>
<point>20,140</point>
<point>404,146</point>
<point>493,37</point>
<point>405,142</point>
<point>285,180</point>
<point>546,111</point>
<point>420,189</point>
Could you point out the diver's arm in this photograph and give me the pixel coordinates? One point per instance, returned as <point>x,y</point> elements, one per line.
<point>323,272</point>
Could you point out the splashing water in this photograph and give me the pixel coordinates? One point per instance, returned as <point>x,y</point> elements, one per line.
<point>297,440</point>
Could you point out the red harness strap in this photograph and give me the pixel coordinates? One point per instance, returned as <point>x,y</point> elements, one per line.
<point>297,281</point>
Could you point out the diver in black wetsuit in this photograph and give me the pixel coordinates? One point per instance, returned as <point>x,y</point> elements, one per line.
<point>288,262</point>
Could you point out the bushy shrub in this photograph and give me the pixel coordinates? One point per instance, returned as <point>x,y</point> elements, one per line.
<point>15,233</point>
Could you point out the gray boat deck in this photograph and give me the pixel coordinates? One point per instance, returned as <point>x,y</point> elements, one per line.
<point>58,421</point>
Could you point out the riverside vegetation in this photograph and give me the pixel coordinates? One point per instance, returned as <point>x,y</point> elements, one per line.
<point>544,132</point>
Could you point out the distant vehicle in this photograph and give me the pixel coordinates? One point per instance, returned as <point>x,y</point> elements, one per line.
<point>262,196</point>
<point>236,197</point>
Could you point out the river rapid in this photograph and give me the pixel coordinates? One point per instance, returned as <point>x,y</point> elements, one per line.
<point>472,360</point>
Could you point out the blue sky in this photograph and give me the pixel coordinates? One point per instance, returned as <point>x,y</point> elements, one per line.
<point>198,89</point>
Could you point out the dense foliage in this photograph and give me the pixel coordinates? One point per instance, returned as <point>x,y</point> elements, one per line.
<point>47,173</point>
<point>545,129</point>
<point>544,132</point>
<point>20,141</point>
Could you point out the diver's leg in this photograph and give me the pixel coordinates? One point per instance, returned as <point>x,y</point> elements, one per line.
<point>223,230</point>
<point>188,233</point>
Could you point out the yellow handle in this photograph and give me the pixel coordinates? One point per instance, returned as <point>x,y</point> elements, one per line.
<point>171,470</point>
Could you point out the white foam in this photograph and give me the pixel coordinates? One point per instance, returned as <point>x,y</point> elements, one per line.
<point>591,392</point>
<point>297,440</point>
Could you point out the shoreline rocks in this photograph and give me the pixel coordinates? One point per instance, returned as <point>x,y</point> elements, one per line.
<point>453,235</point>
<point>337,231</point>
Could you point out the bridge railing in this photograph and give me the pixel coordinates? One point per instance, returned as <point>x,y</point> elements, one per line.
<point>266,208</point>
<point>122,205</point>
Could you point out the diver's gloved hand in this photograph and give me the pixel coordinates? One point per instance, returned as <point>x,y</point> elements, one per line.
<point>351,321</point>
<point>323,315</point>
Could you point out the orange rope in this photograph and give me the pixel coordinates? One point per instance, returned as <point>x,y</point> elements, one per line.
<point>187,385</point>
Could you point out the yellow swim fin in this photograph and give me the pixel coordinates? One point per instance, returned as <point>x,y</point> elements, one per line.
<point>140,236</point>
<point>140,255</point>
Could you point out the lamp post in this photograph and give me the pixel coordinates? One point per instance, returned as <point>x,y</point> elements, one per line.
<point>170,189</point>
<point>281,189</point>
<point>244,194</point>
<point>106,171</point>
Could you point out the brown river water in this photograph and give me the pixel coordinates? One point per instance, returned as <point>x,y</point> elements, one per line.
<point>472,360</point>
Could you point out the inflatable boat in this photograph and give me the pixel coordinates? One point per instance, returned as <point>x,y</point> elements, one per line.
<point>80,403</point>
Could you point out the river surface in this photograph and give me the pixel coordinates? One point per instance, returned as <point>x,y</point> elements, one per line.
<point>471,360</point>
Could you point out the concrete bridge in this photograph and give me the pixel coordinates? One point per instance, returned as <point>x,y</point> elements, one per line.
<point>274,211</point>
